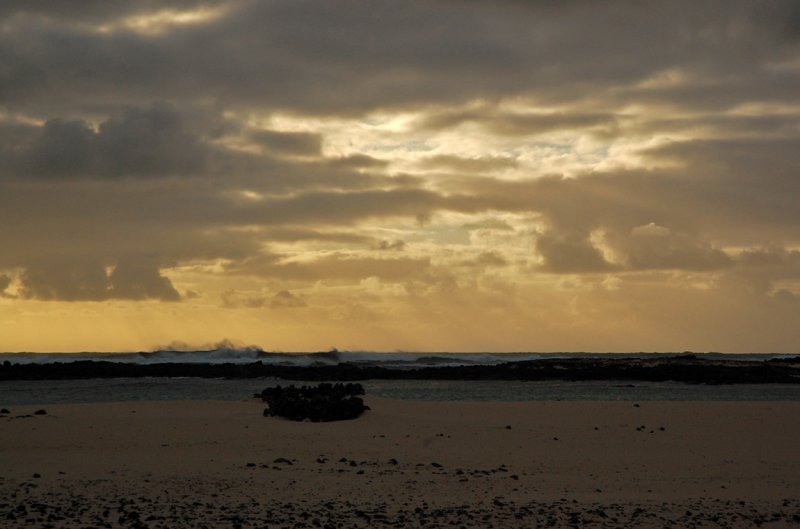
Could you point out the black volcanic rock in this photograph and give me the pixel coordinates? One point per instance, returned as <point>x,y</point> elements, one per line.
<point>690,369</point>
<point>322,403</point>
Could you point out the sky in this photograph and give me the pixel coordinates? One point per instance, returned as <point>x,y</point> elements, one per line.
<point>446,175</point>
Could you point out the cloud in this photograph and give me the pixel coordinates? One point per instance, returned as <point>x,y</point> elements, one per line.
<point>88,280</point>
<point>421,166</point>
<point>5,282</point>
<point>288,143</point>
<point>468,165</point>
<point>337,267</point>
<point>519,123</point>
<point>650,230</point>
<point>286,300</point>
<point>765,267</point>
<point>140,142</point>
<point>137,280</point>
<point>570,254</point>
<point>665,250</point>
<point>232,299</point>
<point>254,54</point>
<point>396,245</point>
<point>487,259</point>
<point>282,299</point>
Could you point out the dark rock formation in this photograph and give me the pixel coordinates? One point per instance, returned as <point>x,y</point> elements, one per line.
<point>682,368</point>
<point>322,403</point>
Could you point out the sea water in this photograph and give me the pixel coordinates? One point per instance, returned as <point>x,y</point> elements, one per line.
<point>26,392</point>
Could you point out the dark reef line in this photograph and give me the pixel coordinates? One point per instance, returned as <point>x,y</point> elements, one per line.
<point>682,368</point>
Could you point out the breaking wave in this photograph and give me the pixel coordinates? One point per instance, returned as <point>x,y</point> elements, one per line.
<point>226,353</point>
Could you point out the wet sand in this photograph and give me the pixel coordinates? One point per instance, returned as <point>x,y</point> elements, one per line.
<point>403,464</point>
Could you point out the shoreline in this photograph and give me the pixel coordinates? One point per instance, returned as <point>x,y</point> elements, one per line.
<point>683,368</point>
<point>513,464</point>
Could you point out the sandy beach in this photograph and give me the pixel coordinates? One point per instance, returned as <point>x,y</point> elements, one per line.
<point>403,464</point>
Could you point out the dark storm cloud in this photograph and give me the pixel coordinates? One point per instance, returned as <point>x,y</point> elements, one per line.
<point>320,57</point>
<point>88,280</point>
<point>140,142</point>
<point>161,140</point>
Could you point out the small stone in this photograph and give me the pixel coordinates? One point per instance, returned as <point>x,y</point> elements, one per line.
<point>40,412</point>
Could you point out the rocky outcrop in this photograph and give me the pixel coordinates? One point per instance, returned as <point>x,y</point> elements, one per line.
<point>681,368</point>
<point>321,403</point>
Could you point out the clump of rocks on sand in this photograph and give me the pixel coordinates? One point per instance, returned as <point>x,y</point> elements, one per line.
<point>321,403</point>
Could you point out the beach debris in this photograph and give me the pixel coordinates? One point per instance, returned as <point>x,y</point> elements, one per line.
<point>322,403</point>
<point>5,411</point>
<point>40,412</point>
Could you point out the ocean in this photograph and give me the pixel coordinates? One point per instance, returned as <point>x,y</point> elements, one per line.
<point>27,392</point>
<point>396,360</point>
<point>24,392</point>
